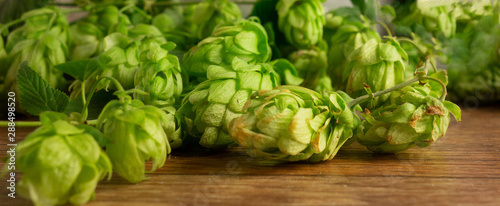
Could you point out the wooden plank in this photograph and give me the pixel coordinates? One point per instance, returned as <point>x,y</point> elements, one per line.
<point>462,168</point>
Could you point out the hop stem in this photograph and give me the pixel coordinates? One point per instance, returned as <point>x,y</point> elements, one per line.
<point>408,40</point>
<point>385,27</point>
<point>397,87</point>
<point>376,94</point>
<point>38,123</point>
<point>184,2</point>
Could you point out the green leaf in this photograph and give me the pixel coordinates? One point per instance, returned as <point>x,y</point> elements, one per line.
<point>454,110</point>
<point>36,95</point>
<point>82,69</point>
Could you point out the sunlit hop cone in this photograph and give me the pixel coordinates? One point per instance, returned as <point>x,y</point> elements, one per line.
<point>208,14</point>
<point>376,65</point>
<point>414,116</point>
<point>60,162</point>
<point>209,108</point>
<point>245,39</point>
<point>135,135</point>
<point>291,123</point>
<point>301,21</point>
<point>347,38</point>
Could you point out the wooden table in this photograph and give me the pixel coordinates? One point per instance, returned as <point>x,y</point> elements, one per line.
<point>461,169</point>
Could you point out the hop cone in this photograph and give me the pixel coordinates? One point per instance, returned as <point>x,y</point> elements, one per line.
<point>41,43</point>
<point>160,76</point>
<point>60,162</point>
<point>245,39</point>
<point>208,14</point>
<point>122,54</point>
<point>427,19</point>
<point>347,39</point>
<point>87,35</point>
<point>292,123</point>
<point>136,135</point>
<point>209,108</point>
<point>301,21</point>
<point>378,65</point>
<point>311,64</point>
<point>414,116</point>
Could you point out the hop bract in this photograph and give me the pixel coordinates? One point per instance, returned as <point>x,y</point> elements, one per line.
<point>208,109</point>
<point>414,116</point>
<point>208,14</point>
<point>376,65</point>
<point>301,21</point>
<point>292,123</point>
<point>245,39</point>
<point>135,135</point>
<point>160,76</point>
<point>60,162</point>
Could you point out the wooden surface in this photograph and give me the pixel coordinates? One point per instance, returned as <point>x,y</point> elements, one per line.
<point>461,169</point>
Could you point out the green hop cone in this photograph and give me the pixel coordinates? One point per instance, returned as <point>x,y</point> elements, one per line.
<point>87,35</point>
<point>311,65</point>
<point>208,109</point>
<point>376,65</point>
<point>413,116</point>
<point>301,21</point>
<point>160,76</point>
<point>60,162</point>
<point>245,39</point>
<point>42,41</point>
<point>427,19</point>
<point>208,14</point>
<point>291,123</point>
<point>347,39</point>
<point>122,54</point>
<point>135,135</point>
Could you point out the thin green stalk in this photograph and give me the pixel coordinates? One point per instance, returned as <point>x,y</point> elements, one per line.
<point>385,27</point>
<point>408,40</point>
<point>183,2</point>
<point>376,94</point>
<point>397,87</point>
<point>445,91</point>
<point>115,82</point>
<point>84,101</point>
<point>38,123</point>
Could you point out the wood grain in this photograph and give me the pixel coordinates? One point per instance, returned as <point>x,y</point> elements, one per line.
<point>462,168</point>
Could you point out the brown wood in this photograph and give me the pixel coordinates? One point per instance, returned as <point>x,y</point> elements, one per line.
<point>461,168</point>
